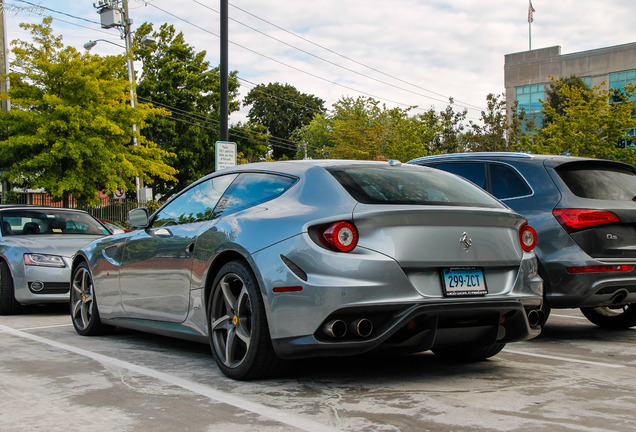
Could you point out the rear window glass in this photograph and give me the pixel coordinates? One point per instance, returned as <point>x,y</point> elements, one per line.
<point>409,185</point>
<point>599,181</point>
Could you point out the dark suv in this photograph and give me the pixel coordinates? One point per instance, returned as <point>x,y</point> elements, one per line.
<point>584,212</point>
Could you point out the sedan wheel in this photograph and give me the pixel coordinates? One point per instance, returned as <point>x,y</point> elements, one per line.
<point>8,304</point>
<point>239,336</point>
<point>612,317</point>
<point>84,311</point>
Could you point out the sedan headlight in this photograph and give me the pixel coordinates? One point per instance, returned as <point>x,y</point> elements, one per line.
<point>44,260</point>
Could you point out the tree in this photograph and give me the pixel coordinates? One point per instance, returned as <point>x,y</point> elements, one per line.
<point>70,129</point>
<point>555,95</point>
<point>282,109</point>
<point>178,78</point>
<point>362,128</point>
<point>497,131</point>
<point>591,125</point>
<point>251,141</point>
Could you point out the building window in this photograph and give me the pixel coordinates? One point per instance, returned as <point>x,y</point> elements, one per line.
<point>587,80</point>
<point>618,80</point>
<point>529,99</point>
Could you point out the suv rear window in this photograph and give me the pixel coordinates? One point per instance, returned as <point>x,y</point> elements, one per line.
<point>409,185</point>
<point>601,181</point>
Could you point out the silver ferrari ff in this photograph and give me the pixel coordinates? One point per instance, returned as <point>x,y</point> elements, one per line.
<point>283,260</point>
<point>37,245</point>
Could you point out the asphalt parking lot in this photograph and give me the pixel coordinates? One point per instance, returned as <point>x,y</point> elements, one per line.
<point>574,377</point>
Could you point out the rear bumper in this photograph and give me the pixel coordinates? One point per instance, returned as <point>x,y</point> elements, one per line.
<point>419,327</point>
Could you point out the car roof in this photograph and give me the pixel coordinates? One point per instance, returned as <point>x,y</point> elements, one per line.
<point>36,207</point>
<point>298,167</point>
<point>549,160</point>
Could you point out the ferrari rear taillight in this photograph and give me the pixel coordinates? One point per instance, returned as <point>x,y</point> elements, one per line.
<point>527,237</point>
<point>576,219</point>
<point>340,236</point>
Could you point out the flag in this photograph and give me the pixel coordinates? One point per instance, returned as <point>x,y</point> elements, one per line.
<point>530,11</point>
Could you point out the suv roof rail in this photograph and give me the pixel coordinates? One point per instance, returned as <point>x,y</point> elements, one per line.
<point>477,154</point>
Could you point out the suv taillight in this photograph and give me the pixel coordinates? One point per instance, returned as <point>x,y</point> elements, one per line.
<point>340,236</point>
<point>576,219</point>
<point>527,237</point>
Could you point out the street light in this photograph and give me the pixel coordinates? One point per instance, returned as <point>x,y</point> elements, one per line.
<point>131,79</point>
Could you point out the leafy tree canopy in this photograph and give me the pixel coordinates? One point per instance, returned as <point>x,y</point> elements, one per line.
<point>555,94</point>
<point>282,109</point>
<point>593,124</point>
<point>70,128</point>
<point>176,77</point>
<point>362,128</point>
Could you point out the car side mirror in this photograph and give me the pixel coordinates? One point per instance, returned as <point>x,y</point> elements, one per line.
<point>138,217</point>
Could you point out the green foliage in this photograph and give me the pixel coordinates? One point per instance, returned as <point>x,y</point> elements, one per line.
<point>555,95</point>
<point>178,78</point>
<point>281,109</point>
<point>498,131</point>
<point>362,128</point>
<point>592,124</point>
<point>70,129</point>
<point>251,141</point>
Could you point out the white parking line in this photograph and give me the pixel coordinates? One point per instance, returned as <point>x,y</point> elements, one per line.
<point>564,359</point>
<point>45,327</point>
<point>209,392</point>
<point>568,316</point>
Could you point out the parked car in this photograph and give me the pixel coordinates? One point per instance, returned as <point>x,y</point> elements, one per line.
<point>584,211</point>
<point>36,247</point>
<point>284,260</point>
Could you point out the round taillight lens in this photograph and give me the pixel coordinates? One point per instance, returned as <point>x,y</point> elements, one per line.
<point>527,237</point>
<point>341,236</point>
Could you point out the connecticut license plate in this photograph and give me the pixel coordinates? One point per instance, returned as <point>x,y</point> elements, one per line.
<point>464,281</point>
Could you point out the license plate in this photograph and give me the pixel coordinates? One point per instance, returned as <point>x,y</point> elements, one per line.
<point>464,281</point>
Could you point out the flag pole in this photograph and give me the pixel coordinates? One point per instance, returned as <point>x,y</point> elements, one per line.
<point>530,19</point>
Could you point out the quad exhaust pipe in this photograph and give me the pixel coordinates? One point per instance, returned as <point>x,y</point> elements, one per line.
<point>337,328</point>
<point>361,327</point>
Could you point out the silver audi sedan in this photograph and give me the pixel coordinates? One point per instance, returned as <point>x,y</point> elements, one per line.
<point>274,261</point>
<point>37,245</point>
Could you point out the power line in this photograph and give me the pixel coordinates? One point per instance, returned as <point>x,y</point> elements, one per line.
<point>290,66</point>
<point>341,66</point>
<point>273,140</point>
<point>465,104</point>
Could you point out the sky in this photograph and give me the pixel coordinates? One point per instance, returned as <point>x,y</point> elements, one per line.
<point>400,52</point>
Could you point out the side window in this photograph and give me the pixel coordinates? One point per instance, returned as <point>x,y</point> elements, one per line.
<point>507,183</point>
<point>251,189</point>
<point>195,204</point>
<point>472,171</point>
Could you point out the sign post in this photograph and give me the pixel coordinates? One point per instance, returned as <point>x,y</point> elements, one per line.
<point>224,155</point>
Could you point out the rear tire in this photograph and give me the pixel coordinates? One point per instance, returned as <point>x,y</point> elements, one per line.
<point>238,330</point>
<point>467,353</point>
<point>615,317</point>
<point>8,303</point>
<point>84,310</point>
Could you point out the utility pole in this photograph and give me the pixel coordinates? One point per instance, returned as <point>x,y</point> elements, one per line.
<point>224,72</point>
<point>112,16</point>
<point>4,63</point>
<point>131,78</point>
<point>5,104</point>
